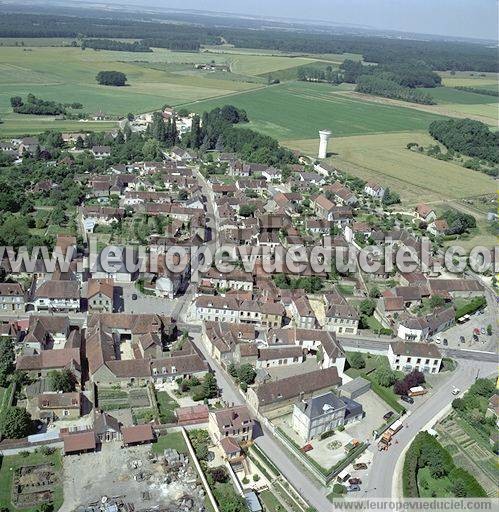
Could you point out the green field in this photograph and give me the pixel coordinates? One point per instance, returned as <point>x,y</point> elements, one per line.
<point>10,463</point>
<point>448,95</point>
<point>161,77</point>
<point>414,176</point>
<point>298,110</point>
<point>469,79</point>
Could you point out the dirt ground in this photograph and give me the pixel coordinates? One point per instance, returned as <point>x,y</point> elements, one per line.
<point>109,472</point>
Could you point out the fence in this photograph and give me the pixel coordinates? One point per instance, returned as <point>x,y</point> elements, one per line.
<point>323,475</point>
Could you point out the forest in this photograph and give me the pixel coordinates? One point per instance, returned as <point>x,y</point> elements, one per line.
<point>438,55</point>
<point>468,137</point>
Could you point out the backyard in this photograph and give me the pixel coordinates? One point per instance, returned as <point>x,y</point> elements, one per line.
<point>11,463</point>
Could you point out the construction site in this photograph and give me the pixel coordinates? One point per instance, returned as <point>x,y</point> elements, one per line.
<point>122,480</point>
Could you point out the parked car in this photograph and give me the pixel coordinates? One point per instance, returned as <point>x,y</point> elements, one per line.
<point>456,391</point>
<point>134,296</point>
<point>353,488</point>
<point>354,481</point>
<point>388,415</point>
<point>461,339</point>
<point>407,399</point>
<point>360,465</point>
<point>446,342</point>
<point>475,337</point>
<point>482,330</point>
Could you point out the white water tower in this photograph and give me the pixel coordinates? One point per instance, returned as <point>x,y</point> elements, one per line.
<point>324,138</point>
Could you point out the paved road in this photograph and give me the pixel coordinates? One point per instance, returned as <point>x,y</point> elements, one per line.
<point>314,494</point>
<point>382,470</point>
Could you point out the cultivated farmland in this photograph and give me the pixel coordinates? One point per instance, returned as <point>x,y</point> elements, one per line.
<point>298,110</point>
<point>416,177</point>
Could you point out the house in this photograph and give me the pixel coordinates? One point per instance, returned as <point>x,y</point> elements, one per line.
<point>279,356</point>
<point>12,297</point>
<point>272,174</point>
<point>55,295</point>
<point>318,226</point>
<point>374,190</point>
<point>419,328</point>
<point>233,310</point>
<point>40,365</point>
<point>234,280</point>
<point>223,339</point>
<point>101,152</point>
<point>106,427</point>
<point>45,332</point>
<point>456,287</point>
<point>311,340</point>
<point>283,393</point>
<point>169,369</point>
<point>100,294</point>
<point>362,229</point>
<point>56,406</point>
<point>438,227</point>
<point>425,213</point>
<point>339,316</point>
<point>150,346</point>
<point>323,207</point>
<point>234,422</point>
<point>112,346</point>
<point>303,314</point>
<point>343,195</point>
<point>323,413</point>
<point>408,356</point>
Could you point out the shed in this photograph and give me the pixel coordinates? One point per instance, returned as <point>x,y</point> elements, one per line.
<point>79,442</point>
<point>252,501</point>
<point>355,388</point>
<point>137,434</point>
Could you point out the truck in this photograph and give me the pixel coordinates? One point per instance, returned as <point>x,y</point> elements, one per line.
<point>417,391</point>
<point>386,438</point>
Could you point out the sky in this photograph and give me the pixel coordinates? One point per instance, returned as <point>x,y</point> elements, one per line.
<point>463,18</point>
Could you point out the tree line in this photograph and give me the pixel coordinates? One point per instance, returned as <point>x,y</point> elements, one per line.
<point>468,137</point>
<point>113,45</point>
<point>476,90</point>
<point>396,81</point>
<point>438,55</point>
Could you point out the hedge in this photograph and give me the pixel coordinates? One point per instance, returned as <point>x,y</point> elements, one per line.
<point>411,466</point>
<point>473,488</point>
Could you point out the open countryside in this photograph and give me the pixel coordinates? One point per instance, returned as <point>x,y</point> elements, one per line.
<point>384,157</point>
<point>297,110</point>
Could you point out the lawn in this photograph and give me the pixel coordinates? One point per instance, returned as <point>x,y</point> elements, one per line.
<point>11,462</point>
<point>428,485</point>
<point>373,362</point>
<point>297,110</point>
<point>270,502</point>
<point>166,406</point>
<point>384,158</point>
<point>173,440</point>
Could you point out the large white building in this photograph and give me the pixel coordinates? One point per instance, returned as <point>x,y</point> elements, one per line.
<point>408,356</point>
<point>323,413</point>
